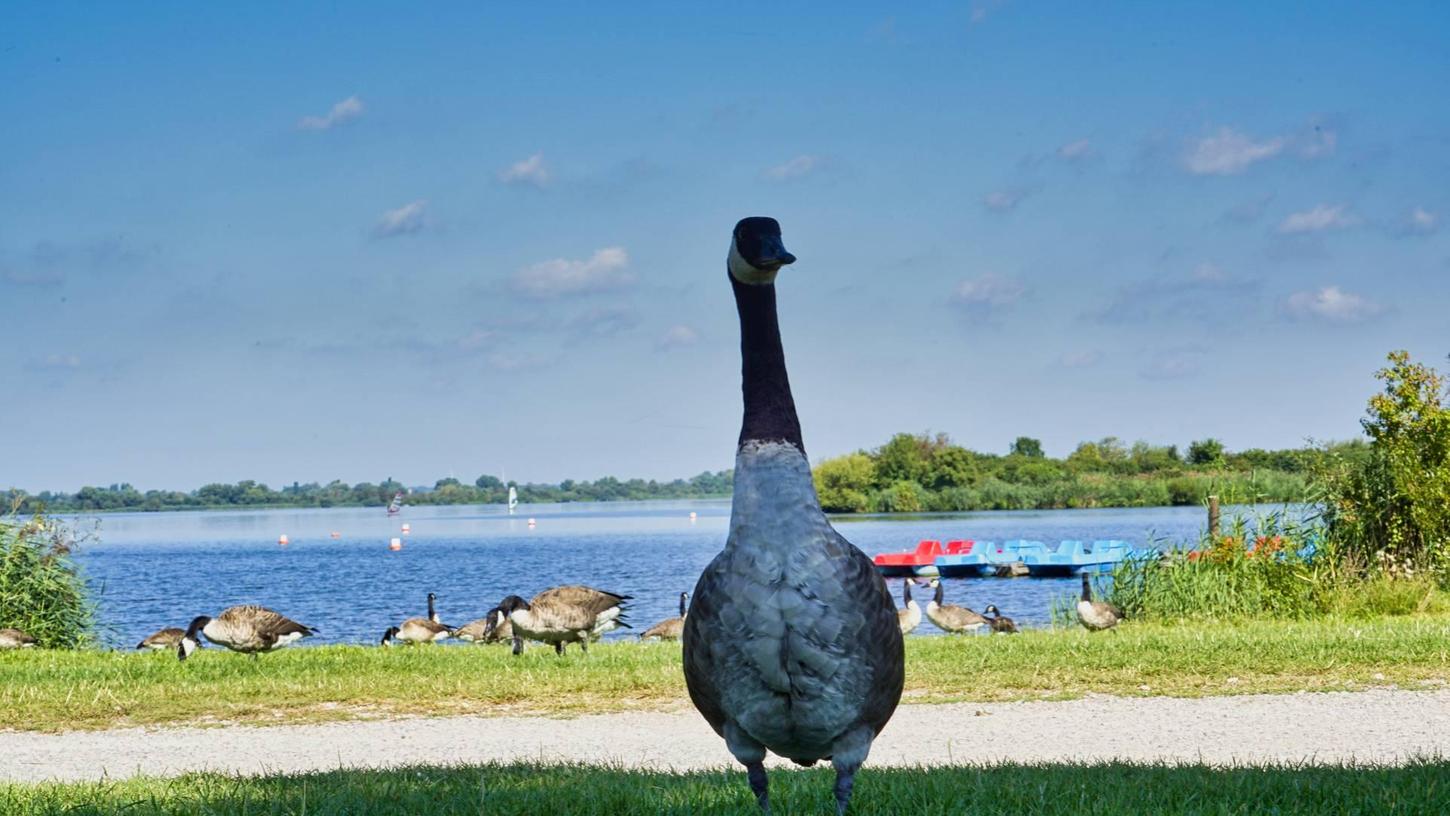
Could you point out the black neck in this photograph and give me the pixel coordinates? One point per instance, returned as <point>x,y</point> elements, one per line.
<point>941,593</point>
<point>769,408</point>
<point>430,608</point>
<point>682,606</point>
<point>1087,589</point>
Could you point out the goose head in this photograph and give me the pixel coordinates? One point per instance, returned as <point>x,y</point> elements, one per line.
<point>684,603</point>
<point>757,252</point>
<point>388,636</point>
<point>191,641</point>
<point>992,610</point>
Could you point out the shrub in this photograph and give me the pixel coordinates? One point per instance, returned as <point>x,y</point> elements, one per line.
<point>1388,511</point>
<point>40,590</point>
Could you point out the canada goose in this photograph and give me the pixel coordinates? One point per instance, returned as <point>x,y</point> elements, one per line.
<point>998,623</point>
<point>419,630</point>
<point>163,640</point>
<point>15,639</point>
<point>910,617</point>
<point>669,628</point>
<point>950,617</point>
<point>493,627</point>
<point>563,615</point>
<point>247,629</point>
<point>792,643</point>
<point>1096,615</point>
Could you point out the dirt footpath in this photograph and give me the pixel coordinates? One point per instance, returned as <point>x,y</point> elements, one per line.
<point>1382,726</point>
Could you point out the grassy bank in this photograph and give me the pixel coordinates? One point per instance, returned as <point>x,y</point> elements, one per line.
<point>57,690</point>
<point>525,788</point>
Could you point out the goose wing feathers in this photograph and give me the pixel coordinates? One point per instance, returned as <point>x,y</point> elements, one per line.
<point>253,627</point>
<point>667,629</point>
<point>574,606</point>
<point>794,660</point>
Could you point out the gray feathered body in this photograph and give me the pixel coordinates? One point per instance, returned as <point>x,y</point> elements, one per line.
<point>569,614</point>
<point>253,629</point>
<point>792,634</point>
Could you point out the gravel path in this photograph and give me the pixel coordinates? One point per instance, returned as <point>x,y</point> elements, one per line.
<point>1381,726</point>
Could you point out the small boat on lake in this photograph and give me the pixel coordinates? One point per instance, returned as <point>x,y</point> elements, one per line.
<point>1011,558</point>
<point>921,561</point>
<point>396,505</point>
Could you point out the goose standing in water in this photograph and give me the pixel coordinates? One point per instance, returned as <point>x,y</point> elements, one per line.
<point>564,615</point>
<point>792,643</point>
<point>247,629</point>
<point>1096,615</point>
<point>15,639</point>
<point>419,630</point>
<point>998,623</point>
<point>950,617</point>
<point>909,617</point>
<point>163,640</point>
<point>669,628</point>
<point>494,627</point>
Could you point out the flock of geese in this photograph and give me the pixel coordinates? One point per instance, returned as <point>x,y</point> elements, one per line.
<point>557,616</point>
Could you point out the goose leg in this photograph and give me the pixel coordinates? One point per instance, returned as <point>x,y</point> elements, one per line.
<point>558,647</point>
<point>847,754</point>
<point>518,645</point>
<point>751,754</point>
<point>584,645</point>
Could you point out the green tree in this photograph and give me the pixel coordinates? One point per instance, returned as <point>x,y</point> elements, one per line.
<point>1205,453</point>
<point>842,483</point>
<point>1027,446</point>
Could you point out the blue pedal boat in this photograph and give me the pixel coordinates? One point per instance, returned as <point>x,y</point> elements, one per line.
<point>1075,557</point>
<point>964,559</point>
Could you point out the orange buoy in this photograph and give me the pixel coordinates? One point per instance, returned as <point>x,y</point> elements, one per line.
<point>335,534</point>
<point>395,544</point>
<point>407,528</point>
<point>532,522</point>
<point>692,515</point>
<point>282,539</point>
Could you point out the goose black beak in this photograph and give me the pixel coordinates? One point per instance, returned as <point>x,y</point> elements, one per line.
<point>772,256</point>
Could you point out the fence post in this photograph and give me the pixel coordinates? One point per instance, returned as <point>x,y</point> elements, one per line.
<point>1213,517</point>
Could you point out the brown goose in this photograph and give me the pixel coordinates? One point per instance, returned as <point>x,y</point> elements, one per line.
<point>950,617</point>
<point>999,624</point>
<point>910,617</point>
<point>163,640</point>
<point>15,639</point>
<point>563,615</point>
<point>419,630</point>
<point>247,629</point>
<point>1096,615</point>
<point>669,628</point>
<point>493,627</point>
<point>792,643</point>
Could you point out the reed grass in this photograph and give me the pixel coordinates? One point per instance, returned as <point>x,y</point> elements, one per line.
<point>1105,789</point>
<point>51,690</point>
<point>41,590</point>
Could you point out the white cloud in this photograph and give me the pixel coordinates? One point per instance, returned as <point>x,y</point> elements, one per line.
<point>677,336</point>
<point>1422,222</point>
<point>1331,304</point>
<point>606,269</point>
<point>797,167</point>
<point>988,292</point>
<point>1080,359</point>
<point>340,113</point>
<point>1003,200</point>
<point>1076,151</point>
<point>1319,219</point>
<point>1228,153</point>
<point>530,171</point>
<point>405,220</point>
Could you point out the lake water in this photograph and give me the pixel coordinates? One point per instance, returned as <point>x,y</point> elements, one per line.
<point>161,569</point>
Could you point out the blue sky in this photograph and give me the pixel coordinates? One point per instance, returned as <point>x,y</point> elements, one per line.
<point>289,243</point>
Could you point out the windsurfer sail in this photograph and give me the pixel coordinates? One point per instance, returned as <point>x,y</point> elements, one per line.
<point>513,498</point>
<point>396,505</point>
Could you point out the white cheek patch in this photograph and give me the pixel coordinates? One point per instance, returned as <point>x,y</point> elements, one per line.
<point>741,270</point>
<point>188,646</point>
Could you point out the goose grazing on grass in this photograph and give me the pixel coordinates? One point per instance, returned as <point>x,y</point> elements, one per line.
<point>247,629</point>
<point>15,639</point>
<point>493,627</point>
<point>909,617</point>
<point>669,628</point>
<point>564,615</point>
<point>998,623</point>
<point>792,643</point>
<point>1096,615</point>
<point>950,617</point>
<point>419,630</point>
<point>163,640</point>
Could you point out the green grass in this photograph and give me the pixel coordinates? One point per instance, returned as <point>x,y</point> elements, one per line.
<point>1114,789</point>
<point>49,690</point>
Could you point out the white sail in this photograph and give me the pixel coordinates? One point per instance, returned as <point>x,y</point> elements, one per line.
<point>513,498</point>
